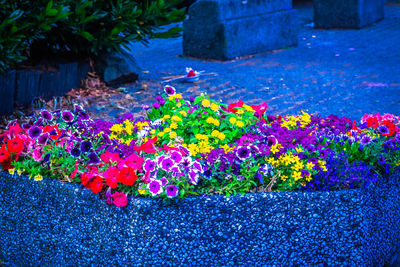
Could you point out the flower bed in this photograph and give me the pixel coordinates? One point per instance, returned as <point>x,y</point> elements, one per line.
<point>204,149</point>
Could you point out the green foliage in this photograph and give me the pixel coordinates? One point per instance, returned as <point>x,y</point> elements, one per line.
<point>80,27</point>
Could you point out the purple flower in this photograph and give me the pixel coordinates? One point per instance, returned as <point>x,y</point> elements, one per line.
<point>176,156</point>
<point>34,132</point>
<point>86,146</point>
<point>169,90</point>
<point>162,102</point>
<point>192,98</point>
<point>83,116</point>
<point>146,106</point>
<point>155,187</point>
<point>26,126</point>
<point>164,181</point>
<point>172,191</point>
<point>193,177</point>
<point>149,165</point>
<point>243,152</point>
<point>75,152</point>
<point>67,116</point>
<point>156,105</point>
<point>304,173</point>
<point>366,140</point>
<point>108,195</point>
<point>197,166</point>
<point>240,177</point>
<point>259,176</point>
<point>166,164</point>
<point>77,108</point>
<point>42,140</point>
<point>383,129</point>
<point>175,171</point>
<point>38,122</point>
<point>46,115</point>
<point>381,159</point>
<point>159,99</point>
<point>93,158</point>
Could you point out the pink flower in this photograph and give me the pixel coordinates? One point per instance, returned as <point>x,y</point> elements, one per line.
<point>119,199</point>
<point>134,161</point>
<point>389,117</point>
<point>37,154</point>
<point>109,157</point>
<point>111,175</point>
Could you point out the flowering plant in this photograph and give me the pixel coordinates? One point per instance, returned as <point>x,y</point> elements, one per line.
<point>202,147</point>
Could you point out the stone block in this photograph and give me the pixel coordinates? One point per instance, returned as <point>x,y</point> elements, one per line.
<point>50,84</point>
<point>347,13</point>
<point>26,86</point>
<point>7,89</point>
<point>69,77</point>
<point>227,29</point>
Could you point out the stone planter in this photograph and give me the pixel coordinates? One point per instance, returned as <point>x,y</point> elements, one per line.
<point>54,223</point>
<point>347,13</point>
<point>225,29</point>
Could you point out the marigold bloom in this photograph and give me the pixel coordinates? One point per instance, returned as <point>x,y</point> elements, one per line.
<point>206,103</point>
<point>214,107</point>
<point>38,177</point>
<point>172,135</point>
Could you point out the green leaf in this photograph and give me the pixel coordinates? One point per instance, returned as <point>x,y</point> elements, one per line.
<point>49,7</point>
<point>87,36</point>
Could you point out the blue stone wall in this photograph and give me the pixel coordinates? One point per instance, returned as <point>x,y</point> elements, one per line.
<point>55,223</point>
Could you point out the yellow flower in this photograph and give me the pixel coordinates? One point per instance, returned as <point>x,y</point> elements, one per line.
<point>179,104</point>
<point>299,149</point>
<point>210,120</point>
<point>214,107</point>
<point>178,96</point>
<point>226,148</point>
<point>172,135</point>
<point>275,149</point>
<point>160,134</point>
<point>153,131</point>
<point>248,108</point>
<point>296,175</point>
<point>232,120</point>
<point>167,130</point>
<point>240,111</point>
<point>19,172</point>
<point>240,124</point>
<point>206,103</point>
<point>166,117</point>
<point>216,122</point>
<point>310,165</point>
<point>38,177</point>
<point>284,177</point>
<point>174,125</point>
<point>221,136</point>
<point>176,118</point>
<point>215,133</point>
<point>11,171</point>
<point>141,191</point>
<point>183,113</point>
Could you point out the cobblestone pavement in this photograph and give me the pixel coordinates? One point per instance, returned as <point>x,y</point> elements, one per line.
<point>343,72</point>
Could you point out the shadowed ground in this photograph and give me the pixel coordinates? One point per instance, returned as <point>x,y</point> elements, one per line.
<point>344,72</point>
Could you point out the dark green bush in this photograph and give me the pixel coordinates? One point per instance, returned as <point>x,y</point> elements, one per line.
<point>80,27</point>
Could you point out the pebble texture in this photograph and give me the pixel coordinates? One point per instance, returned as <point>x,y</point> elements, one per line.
<point>54,223</point>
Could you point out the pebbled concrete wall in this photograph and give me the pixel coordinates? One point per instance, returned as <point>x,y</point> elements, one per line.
<point>53,223</point>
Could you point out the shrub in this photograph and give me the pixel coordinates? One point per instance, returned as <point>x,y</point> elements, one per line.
<point>80,28</point>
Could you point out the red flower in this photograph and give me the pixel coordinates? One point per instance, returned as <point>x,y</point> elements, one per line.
<point>96,184</point>
<point>134,161</point>
<point>127,176</point>
<point>390,126</point>
<point>147,147</point>
<point>260,109</point>
<point>191,73</point>
<point>111,175</point>
<point>233,106</point>
<point>15,145</point>
<point>54,132</point>
<point>109,157</point>
<point>372,122</point>
<point>4,154</point>
<point>119,199</point>
<point>87,178</point>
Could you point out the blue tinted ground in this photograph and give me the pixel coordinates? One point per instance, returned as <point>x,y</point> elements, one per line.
<point>343,72</point>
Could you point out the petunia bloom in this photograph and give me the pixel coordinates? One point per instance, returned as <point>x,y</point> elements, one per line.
<point>155,187</point>
<point>172,191</point>
<point>119,199</point>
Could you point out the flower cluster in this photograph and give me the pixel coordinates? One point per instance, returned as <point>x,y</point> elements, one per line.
<point>201,147</point>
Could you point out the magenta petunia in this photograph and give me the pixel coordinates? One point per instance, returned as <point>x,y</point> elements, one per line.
<point>155,187</point>
<point>169,90</point>
<point>119,199</point>
<point>193,177</point>
<point>149,165</point>
<point>167,164</point>
<point>172,191</point>
<point>197,166</point>
<point>164,181</point>
<point>176,156</point>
